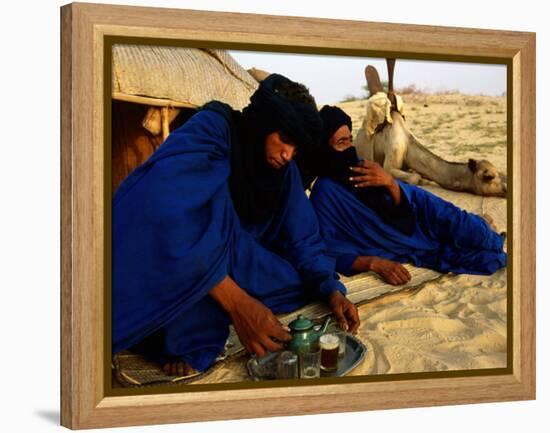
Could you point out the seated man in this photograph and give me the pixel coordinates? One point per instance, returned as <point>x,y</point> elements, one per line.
<point>372,222</point>
<point>214,228</point>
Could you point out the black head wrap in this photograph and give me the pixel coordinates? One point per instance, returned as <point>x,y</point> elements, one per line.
<point>270,111</point>
<point>256,187</point>
<point>333,118</point>
<point>329,161</point>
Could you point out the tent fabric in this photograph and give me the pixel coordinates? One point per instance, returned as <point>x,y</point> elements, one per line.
<point>190,76</point>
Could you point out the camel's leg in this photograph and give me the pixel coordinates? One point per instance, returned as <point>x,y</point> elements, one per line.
<point>412,178</point>
<point>394,156</point>
<point>394,141</point>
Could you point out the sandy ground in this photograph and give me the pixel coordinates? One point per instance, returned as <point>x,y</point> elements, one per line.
<point>458,322</point>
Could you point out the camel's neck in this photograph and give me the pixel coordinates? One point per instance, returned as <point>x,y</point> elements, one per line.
<point>450,175</point>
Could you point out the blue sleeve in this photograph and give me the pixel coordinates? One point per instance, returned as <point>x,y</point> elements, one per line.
<point>301,242</point>
<point>344,264</point>
<point>172,222</point>
<point>401,216</point>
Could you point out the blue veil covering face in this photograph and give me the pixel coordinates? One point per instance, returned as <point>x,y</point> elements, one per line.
<point>177,233</point>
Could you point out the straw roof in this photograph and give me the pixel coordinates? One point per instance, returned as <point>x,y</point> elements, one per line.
<point>179,77</point>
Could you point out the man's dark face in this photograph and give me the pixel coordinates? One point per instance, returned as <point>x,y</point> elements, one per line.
<point>279,151</point>
<point>341,139</point>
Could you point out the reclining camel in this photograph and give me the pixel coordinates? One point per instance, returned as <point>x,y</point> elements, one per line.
<point>385,138</point>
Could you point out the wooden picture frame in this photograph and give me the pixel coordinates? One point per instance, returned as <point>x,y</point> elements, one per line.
<point>85,32</point>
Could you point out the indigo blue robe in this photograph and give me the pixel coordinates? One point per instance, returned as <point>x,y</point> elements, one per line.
<point>176,235</point>
<point>446,238</point>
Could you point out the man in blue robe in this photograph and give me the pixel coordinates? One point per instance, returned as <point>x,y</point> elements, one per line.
<point>215,228</point>
<point>372,222</point>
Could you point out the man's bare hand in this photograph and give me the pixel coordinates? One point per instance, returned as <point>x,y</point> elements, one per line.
<point>371,173</point>
<point>391,272</point>
<point>345,311</point>
<point>258,328</point>
<point>255,324</point>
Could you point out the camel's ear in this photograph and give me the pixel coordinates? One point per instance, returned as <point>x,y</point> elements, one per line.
<point>472,165</point>
<point>373,80</point>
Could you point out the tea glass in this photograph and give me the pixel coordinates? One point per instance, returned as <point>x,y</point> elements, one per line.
<point>310,363</point>
<point>287,365</point>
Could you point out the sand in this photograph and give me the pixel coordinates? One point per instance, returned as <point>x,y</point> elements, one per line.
<point>459,321</point>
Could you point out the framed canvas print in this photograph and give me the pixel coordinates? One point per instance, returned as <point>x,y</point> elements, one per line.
<point>265,215</point>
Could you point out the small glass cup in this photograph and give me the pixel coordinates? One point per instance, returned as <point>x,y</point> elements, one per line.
<point>343,337</point>
<point>310,363</point>
<point>330,346</point>
<point>287,365</point>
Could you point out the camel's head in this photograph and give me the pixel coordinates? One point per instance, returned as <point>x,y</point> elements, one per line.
<point>487,180</point>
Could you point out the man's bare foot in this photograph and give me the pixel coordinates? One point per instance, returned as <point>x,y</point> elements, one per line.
<point>178,368</point>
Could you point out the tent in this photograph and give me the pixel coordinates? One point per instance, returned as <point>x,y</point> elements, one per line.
<point>155,89</point>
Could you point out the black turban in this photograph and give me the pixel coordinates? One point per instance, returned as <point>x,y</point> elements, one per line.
<point>256,187</point>
<point>330,162</point>
<point>333,118</point>
<point>270,111</point>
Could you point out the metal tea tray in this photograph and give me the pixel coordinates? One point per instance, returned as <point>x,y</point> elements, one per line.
<point>265,368</point>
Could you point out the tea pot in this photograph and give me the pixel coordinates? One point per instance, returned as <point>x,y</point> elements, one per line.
<point>303,333</point>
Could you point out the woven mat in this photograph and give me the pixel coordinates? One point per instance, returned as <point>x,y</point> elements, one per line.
<point>133,370</point>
